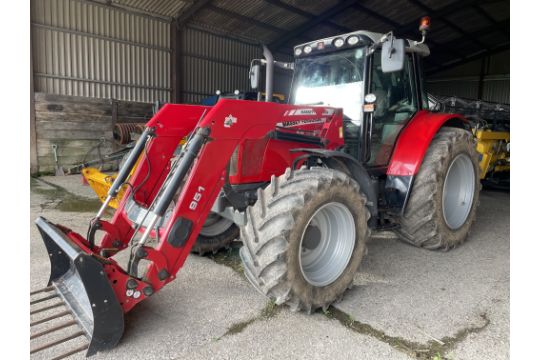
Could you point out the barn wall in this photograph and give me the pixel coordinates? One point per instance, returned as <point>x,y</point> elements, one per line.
<point>464,80</point>
<point>212,62</point>
<point>88,49</point>
<point>81,127</point>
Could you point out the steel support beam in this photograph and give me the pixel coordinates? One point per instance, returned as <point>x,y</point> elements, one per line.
<point>184,17</point>
<point>451,25</point>
<point>326,15</point>
<point>437,14</point>
<point>34,165</point>
<point>481,78</point>
<point>443,47</point>
<point>176,64</point>
<point>472,57</point>
<point>395,25</point>
<point>177,59</point>
<point>128,9</point>
<point>245,19</point>
<point>307,15</point>
<point>505,30</point>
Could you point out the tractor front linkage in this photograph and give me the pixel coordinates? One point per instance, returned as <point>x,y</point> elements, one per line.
<point>164,206</point>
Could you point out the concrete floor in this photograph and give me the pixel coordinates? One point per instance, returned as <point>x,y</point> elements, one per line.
<point>406,302</point>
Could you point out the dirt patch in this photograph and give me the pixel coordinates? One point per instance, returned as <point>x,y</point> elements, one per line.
<point>433,349</point>
<point>269,311</point>
<point>60,199</point>
<point>229,257</point>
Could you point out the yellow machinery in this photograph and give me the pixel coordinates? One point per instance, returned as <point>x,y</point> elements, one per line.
<point>101,183</point>
<point>494,146</point>
<point>491,128</point>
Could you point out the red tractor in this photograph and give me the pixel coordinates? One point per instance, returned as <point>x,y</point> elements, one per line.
<point>354,150</point>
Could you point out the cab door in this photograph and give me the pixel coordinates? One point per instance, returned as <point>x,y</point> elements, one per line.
<point>397,102</point>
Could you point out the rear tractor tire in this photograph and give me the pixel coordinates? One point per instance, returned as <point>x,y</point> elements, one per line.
<point>305,237</point>
<point>217,233</point>
<point>444,197</point>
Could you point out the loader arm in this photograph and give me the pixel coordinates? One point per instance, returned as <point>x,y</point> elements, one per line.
<point>215,138</point>
<point>167,201</point>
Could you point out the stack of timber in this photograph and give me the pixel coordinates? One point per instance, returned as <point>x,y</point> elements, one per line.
<point>81,127</point>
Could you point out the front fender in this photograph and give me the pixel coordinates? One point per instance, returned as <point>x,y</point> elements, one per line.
<point>415,139</point>
<point>357,172</point>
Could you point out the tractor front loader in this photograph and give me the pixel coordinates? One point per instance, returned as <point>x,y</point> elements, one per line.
<point>355,150</point>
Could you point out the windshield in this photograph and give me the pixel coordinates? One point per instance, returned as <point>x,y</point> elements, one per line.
<point>334,79</point>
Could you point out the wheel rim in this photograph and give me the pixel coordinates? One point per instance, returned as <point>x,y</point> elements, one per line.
<point>458,191</point>
<point>215,225</point>
<point>327,244</point>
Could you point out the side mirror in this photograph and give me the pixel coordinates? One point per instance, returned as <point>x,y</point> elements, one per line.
<point>393,55</point>
<point>254,76</point>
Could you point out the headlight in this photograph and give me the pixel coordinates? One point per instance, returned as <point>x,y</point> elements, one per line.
<point>353,40</point>
<point>339,42</point>
<point>297,51</point>
<point>307,49</point>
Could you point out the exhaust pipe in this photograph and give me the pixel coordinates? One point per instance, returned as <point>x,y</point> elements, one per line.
<point>269,73</point>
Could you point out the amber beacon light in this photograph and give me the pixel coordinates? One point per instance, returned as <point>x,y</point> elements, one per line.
<point>425,23</point>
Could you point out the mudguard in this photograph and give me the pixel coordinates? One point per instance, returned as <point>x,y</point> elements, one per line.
<point>357,171</point>
<point>409,153</point>
<point>415,139</point>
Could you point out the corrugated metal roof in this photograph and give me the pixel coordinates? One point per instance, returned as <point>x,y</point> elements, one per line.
<point>458,27</point>
<point>461,17</point>
<point>399,11</point>
<point>168,8</point>
<point>314,7</point>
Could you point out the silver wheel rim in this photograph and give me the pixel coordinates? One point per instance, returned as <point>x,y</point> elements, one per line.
<point>327,244</point>
<point>458,191</point>
<point>215,225</point>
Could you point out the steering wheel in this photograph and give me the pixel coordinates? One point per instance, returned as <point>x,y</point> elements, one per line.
<point>401,106</point>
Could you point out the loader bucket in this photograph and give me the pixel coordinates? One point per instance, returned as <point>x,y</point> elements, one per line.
<point>79,281</point>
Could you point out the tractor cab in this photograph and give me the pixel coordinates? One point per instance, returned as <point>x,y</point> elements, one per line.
<point>374,78</point>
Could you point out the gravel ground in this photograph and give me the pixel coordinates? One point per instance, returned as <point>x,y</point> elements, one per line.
<point>405,302</point>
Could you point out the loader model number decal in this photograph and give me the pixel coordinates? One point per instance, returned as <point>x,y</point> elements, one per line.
<point>196,198</point>
<point>229,121</point>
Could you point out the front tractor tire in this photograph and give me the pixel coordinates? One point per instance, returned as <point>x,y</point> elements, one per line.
<point>305,237</point>
<point>444,197</point>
